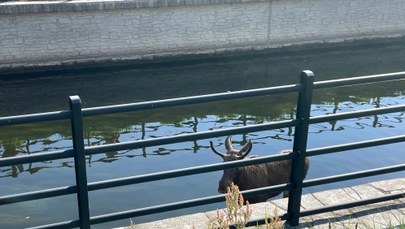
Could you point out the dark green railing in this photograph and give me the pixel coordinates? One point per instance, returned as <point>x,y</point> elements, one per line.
<point>300,151</point>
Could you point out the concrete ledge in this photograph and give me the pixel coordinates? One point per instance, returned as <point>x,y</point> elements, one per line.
<point>19,7</point>
<point>379,215</point>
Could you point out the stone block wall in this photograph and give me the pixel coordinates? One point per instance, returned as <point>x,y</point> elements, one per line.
<point>36,34</point>
<point>303,21</point>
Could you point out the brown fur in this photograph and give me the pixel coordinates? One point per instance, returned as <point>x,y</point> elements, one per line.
<point>262,175</point>
<point>254,176</point>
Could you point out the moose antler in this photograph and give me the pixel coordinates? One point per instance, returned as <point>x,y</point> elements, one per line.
<point>245,149</point>
<point>216,151</point>
<point>240,154</point>
<point>228,144</point>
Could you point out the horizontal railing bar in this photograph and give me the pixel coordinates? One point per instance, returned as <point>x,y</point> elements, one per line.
<point>60,225</point>
<point>184,172</point>
<point>155,209</point>
<point>30,118</point>
<point>356,114</point>
<point>359,80</point>
<point>354,175</point>
<point>352,204</point>
<point>36,195</point>
<point>269,189</point>
<point>190,100</point>
<point>36,157</point>
<point>182,204</point>
<point>355,145</point>
<point>188,137</point>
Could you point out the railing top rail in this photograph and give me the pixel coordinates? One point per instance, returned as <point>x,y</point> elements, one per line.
<point>360,80</point>
<point>37,117</point>
<point>65,114</point>
<point>92,111</point>
<point>190,100</point>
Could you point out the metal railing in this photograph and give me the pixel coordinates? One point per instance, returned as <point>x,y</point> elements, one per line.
<point>300,151</point>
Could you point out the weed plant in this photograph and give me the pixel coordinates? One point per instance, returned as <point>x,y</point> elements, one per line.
<point>238,214</point>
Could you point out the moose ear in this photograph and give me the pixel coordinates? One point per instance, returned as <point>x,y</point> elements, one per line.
<point>245,149</point>
<point>228,143</point>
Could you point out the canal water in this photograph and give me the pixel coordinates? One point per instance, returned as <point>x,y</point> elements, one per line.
<point>142,82</point>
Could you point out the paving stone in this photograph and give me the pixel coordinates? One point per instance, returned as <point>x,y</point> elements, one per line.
<point>378,215</point>
<point>260,210</point>
<point>367,191</point>
<point>199,220</point>
<point>309,201</point>
<point>281,204</point>
<point>390,186</point>
<point>331,198</point>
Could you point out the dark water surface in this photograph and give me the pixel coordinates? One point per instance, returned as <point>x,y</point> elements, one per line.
<point>174,79</point>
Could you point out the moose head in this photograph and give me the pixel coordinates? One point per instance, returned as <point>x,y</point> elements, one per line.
<point>231,175</point>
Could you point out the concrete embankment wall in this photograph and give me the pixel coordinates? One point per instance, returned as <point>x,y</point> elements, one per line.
<point>69,32</point>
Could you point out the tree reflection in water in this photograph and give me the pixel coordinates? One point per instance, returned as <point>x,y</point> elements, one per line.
<point>112,129</point>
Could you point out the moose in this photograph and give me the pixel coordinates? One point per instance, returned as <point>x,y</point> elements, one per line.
<point>254,176</point>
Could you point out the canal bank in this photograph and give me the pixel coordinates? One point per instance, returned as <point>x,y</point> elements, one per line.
<point>388,214</point>
<point>68,33</point>
<point>363,50</point>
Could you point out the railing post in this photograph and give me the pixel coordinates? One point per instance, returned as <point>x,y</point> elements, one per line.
<point>300,146</point>
<point>80,161</point>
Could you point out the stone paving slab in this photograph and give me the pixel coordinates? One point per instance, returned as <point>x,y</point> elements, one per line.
<point>388,214</point>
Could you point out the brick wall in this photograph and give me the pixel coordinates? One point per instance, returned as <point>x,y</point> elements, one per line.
<point>34,34</point>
